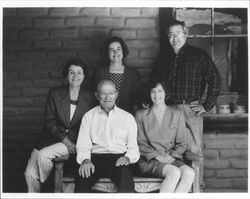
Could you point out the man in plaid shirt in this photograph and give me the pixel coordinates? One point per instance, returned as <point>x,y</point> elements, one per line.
<point>188,70</point>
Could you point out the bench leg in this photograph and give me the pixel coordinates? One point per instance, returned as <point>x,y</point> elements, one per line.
<point>59,177</point>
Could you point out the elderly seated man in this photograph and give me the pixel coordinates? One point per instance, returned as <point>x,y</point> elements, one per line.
<point>107,143</point>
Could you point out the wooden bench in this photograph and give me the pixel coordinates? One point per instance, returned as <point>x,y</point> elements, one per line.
<point>64,183</point>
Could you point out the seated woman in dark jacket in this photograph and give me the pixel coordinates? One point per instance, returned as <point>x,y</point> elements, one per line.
<point>64,109</point>
<point>126,79</point>
<point>162,141</point>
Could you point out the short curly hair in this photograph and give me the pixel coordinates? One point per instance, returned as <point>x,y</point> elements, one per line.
<point>77,62</point>
<point>105,49</point>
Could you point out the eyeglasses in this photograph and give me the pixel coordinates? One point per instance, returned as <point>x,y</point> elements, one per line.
<point>176,34</point>
<point>104,95</point>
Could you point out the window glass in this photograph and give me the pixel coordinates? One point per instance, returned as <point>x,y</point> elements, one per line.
<point>198,20</point>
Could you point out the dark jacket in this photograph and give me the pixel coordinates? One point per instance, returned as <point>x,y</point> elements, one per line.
<point>57,124</point>
<point>131,87</point>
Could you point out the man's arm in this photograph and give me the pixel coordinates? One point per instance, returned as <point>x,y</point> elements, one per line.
<point>84,143</point>
<point>213,80</point>
<point>133,149</point>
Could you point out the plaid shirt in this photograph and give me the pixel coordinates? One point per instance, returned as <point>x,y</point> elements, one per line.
<point>187,74</point>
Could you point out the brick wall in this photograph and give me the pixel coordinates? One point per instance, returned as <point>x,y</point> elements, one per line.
<point>36,42</point>
<point>226,160</point>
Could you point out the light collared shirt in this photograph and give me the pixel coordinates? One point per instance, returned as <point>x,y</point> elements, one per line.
<point>72,110</point>
<point>114,133</point>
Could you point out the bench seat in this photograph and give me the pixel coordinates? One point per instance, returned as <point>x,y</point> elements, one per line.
<point>65,183</point>
<point>142,185</point>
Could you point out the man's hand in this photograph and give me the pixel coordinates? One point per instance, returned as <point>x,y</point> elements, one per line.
<point>197,108</point>
<point>122,161</point>
<point>86,168</point>
<point>70,145</point>
<point>168,159</point>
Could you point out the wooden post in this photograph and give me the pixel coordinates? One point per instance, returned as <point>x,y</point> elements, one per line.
<point>59,177</point>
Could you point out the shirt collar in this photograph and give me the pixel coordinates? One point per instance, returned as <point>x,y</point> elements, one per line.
<point>100,110</point>
<point>182,49</point>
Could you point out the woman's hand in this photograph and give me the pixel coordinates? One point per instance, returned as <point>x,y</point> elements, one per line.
<point>168,159</point>
<point>70,145</point>
<point>86,169</point>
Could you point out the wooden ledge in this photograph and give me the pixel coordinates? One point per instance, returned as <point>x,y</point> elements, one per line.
<point>226,121</point>
<point>230,116</point>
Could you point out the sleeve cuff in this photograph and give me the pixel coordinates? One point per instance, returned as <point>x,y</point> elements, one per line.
<point>151,156</point>
<point>176,155</point>
<point>133,158</point>
<point>81,157</point>
<point>206,107</point>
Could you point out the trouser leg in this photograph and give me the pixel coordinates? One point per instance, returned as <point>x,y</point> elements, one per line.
<point>122,176</point>
<point>105,167</point>
<point>83,185</point>
<point>45,157</point>
<point>40,165</point>
<point>31,174</point>
<point>201,161</point>
<point>194,136</point>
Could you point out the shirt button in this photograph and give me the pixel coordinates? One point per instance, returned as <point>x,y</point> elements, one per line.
<point>67,130</point>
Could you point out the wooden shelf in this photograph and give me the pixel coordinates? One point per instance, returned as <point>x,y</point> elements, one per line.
<point>216,36</point>
<point>226,117</point>
<point>226,121</point>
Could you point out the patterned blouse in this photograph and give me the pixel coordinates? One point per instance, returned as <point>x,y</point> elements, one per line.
<point>117,79</point>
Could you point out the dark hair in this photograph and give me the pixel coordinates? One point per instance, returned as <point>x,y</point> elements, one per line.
<point>152,84</point>
<point>177,22</point>
<point>77,62</point>
<point>105,50</point>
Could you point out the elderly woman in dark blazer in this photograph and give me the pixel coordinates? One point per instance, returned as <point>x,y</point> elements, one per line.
<point>64,109</point>
<point>126,79</point>
<point>162,141</point>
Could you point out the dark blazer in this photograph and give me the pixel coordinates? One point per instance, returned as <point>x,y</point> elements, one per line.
<point>57,124</point>
<point>131,87</point>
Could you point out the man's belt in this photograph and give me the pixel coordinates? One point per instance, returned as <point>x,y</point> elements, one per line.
<point>188,101</point>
